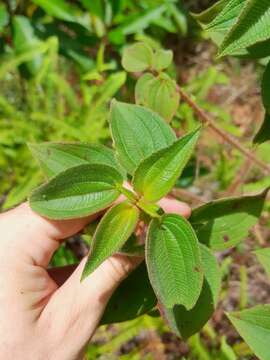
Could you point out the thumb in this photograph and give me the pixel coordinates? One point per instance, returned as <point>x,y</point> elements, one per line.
<point>78,306</point>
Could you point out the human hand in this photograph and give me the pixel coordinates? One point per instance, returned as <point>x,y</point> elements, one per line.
<point>41,317</point>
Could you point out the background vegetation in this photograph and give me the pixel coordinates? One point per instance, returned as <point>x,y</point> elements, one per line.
<point>60,64</point>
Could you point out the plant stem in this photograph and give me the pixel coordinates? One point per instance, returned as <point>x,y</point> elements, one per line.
<point>208,121</point>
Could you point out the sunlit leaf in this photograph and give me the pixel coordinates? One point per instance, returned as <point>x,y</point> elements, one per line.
<point>60,9</point>
<point>137,57</point>
<point>186,323</point>
<point>112,232</point>
<point>254,326</point>
<point>133,297</point>
<point>57,157</point>
<point>77,192</point>
<point>162,59</point>
<point>173,261</point>
<point>156,175</point>
<point>137,132</point>
<point>223,223</point>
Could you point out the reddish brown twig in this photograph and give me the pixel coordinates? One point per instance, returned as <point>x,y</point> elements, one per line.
<point>208,121</point>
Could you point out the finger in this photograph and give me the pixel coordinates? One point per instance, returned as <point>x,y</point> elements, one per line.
<point>78,306</point>
<point>175,206</point>
<point>34,237</point>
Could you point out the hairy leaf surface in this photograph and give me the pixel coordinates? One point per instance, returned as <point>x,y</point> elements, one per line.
<point>156,175</point>
<point>133,297</point>
<point>137,133</point>
<point>112,232</point>
<point>252,26</point>
<point>77,192</point>
<point>221,224</point>
<point>186,323</point>
<point>254,326</point>
<point>57,157</point>
<point>173,261</point>
<point>227,17</point>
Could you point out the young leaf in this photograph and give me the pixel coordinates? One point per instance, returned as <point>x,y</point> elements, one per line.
<point>141,89</point>
<point>137,57</point>
<point>137,133</point>
<point>114,229</point>
<point>186,323</point>
<point>221,224</point>
<point>162,59</point>
<point>263,255</point>
<point>173,261</point>
<point>159,94</point>
<point>57,157</point>
<point>252,26</point>
<point>254,326</point>
<point>77,192</point>
<point>133,297</point>
<point>156,175</point>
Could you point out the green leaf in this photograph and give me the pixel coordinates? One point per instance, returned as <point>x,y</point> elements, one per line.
<point>223,223</point>
<point>77,192</point>
<point>162,59</point>
<point>173,261</point>
<point>159,94</point>
<point>137,57</point>
<point>137,132</point>
<point>114,229</point>
<point>252,26</point>
<point>266,88</point>
<point>254,327</point>
<point>227,17</point>
<point>57,157</point>
<point>24,39</point>
<point>263,255</point>
<point>59,9</point>
<point>156,175</point>
<point>141,93</point>
<point>186,323</point>
<point>133,297</point>
<point>208,15</point>
<point>263,133</point>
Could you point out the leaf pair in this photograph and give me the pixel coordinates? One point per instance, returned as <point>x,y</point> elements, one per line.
<point>140,57</point>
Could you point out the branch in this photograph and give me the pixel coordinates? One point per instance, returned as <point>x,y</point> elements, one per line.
<point>208,121</point>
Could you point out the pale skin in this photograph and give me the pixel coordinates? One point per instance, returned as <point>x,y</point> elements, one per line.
<point>50,314</point>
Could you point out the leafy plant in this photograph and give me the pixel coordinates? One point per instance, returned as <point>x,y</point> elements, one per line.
<point>241,28</point>
<point>180,273</point>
